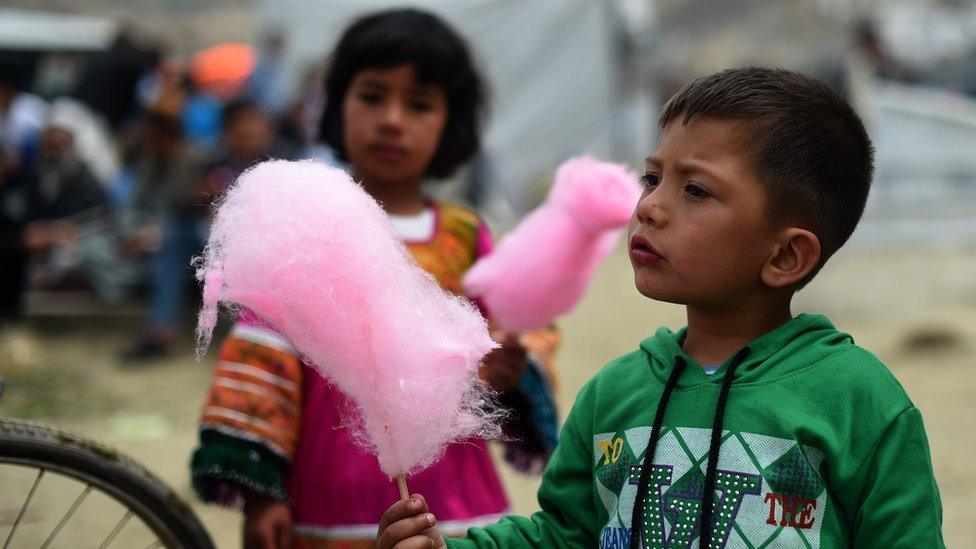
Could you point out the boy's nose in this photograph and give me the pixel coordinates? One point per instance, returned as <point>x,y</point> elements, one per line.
<point>650,211</point>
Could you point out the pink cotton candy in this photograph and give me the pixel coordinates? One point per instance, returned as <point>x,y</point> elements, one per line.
<point>309,251</point>
<point>542,268</point>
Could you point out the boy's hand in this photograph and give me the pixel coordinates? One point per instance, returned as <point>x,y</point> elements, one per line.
<point>267,523</point>
<point>408,524</point>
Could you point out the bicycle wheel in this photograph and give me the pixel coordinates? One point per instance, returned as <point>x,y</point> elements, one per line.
<point>60,489</point>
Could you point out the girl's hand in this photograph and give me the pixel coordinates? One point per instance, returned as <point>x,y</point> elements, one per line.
<point>408,524</point>
<point>504,366</point>
<point>267,523</point>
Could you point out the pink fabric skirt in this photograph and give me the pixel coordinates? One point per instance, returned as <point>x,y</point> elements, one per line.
<point>340,493</point>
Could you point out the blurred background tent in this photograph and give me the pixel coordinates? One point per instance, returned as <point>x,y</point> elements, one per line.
<point>28,30</point>
<point>572,76</point>
<point>549,63</point>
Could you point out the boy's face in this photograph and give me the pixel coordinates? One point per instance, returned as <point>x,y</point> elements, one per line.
<point>700,234</point>
<point>392,124</point>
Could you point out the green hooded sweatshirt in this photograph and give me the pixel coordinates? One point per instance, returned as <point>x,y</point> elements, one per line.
<point>819,447</point>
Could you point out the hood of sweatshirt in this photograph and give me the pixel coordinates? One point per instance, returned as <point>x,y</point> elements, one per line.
<point>804,341</point>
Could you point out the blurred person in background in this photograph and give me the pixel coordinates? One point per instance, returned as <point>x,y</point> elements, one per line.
<point>201,117</point>
<point>93,142</point>
<point>162,80</point>
<point>20,237</point>
<point>62,185</point>
<point>160,171</point>
<point>45,207</point>
<point>22,117</point>
<point>248,138</point>
<point>267,86</point>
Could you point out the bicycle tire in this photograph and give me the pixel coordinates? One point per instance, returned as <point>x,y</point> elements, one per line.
<point>40,446</point>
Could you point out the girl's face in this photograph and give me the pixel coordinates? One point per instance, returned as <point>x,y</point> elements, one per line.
<point>392,125</point>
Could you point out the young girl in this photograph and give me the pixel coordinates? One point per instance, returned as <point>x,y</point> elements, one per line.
<point>403,104</point>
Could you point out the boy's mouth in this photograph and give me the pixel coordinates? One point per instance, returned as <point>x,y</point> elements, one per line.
<point>641,251</point>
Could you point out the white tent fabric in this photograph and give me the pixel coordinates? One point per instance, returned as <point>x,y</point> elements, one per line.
<point>925,184</point>
<point>549,64</point>
<point>38,30</point>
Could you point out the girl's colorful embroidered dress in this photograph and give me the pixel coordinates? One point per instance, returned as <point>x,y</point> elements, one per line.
<point>271,424</point>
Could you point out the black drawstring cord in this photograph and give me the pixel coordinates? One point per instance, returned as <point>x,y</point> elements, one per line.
<point>708,491</point>
<point>636,532</point>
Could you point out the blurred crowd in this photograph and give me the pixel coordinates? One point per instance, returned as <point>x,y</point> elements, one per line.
<point>108,188</point>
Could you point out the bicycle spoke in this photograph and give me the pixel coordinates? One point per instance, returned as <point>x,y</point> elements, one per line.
<point>115,531</point>
<point>23,510</point>
<point>154,544</point>
<point>71,511</point>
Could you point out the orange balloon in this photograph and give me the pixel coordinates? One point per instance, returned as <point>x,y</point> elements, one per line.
<point>223,69</point>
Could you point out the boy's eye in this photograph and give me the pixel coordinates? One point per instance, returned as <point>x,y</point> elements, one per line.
<point>650,180</point>
<point>696,192</point>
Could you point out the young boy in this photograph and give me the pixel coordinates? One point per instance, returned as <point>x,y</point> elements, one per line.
<point>800,438</point>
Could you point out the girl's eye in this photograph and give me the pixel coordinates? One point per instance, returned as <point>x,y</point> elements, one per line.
<point>650,180</point>
<point>696,192</point>
<point>421,106</point>
<point>370,98</point>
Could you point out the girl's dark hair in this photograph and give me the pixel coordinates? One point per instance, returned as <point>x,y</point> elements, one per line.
<point>439,56</point>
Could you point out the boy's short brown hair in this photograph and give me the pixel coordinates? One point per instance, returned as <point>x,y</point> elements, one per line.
<point>809,148</point>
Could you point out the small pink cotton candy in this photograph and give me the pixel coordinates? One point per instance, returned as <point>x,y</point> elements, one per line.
<point>542,268</point>
<point>309,251</point>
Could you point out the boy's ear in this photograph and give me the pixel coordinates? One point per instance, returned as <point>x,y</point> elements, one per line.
<point>796,255</point>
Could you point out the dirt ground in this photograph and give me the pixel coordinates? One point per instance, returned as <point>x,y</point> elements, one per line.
<point>915,310</point>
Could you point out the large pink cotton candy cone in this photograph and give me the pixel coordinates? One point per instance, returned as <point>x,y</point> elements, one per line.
<point>309,251</point>
<point>542,268</point>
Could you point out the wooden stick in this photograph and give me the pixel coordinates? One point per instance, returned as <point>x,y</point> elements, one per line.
<point>402,484</point>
